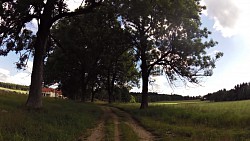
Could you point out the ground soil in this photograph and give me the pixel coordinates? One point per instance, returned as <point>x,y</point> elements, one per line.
<point>97,134</point>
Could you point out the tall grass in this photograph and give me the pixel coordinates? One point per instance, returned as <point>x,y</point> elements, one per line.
<point>59,120</point>
<point>225,121</point>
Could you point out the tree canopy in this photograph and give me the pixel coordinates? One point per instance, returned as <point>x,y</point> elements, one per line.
<point>14,36</point>
<point>93,52</point>
<point>165,33</point>
<point>168,33</point>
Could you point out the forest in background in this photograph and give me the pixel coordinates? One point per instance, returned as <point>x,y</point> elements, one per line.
<point>239,92</point>
<point>14,86</point>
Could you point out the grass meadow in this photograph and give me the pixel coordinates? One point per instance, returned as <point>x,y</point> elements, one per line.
<point>65,120</point>
<point>59,120</point>
<point>195,120</point>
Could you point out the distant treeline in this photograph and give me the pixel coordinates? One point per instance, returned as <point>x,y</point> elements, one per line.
<point>239,92</point>
<point>154,97</point>
<point>14,86</point>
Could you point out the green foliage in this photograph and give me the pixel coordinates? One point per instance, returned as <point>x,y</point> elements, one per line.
<point>59,120</point>
<point>195,121</point>
<point>94,53</point>
<point>176,44</point>
<point>132,99</point>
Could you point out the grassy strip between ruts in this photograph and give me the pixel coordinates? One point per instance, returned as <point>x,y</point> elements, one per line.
<point>127,133</point>
<point>206,121</point>
<point>109,130</point>
<point>59,120</point>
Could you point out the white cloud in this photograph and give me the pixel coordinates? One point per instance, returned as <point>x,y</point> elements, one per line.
<point>226,15</point>
<point>73,4</point>
<point>4,75</point>
<point>21,77</point>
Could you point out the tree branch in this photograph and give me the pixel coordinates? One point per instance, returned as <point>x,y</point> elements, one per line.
<point>157,62</point>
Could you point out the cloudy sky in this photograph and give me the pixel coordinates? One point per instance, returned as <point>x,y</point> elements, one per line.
<point>227,19</point>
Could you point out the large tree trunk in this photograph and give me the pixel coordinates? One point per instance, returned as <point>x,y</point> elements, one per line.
<point>92,94</point>
<point>83,86</point>
<point>35,93</point>
<point>109,86</point>
<point>145,75</point>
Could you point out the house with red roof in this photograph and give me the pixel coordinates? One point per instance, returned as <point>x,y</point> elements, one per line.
<point>49,92</point>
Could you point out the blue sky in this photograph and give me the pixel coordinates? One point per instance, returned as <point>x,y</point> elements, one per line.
<point>229,23</point>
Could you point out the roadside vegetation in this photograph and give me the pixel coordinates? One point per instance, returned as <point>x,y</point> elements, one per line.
<point>61,120</point>
<point>195,120</point>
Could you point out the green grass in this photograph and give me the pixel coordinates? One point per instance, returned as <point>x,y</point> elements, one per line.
<point>59,120</point>
<point>109,130</point>
<point>195,121</point>
<point>127,133</point>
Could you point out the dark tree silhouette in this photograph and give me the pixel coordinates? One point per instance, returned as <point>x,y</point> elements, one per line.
<point>167,33</point>
<point>15,14</point>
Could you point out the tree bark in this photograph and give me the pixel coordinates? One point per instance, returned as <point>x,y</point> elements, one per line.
<point>109,86</point>
<point>92,94</point>
<point>145,75</point>
<point>35,94</point>
<point>83,84</point>
<point>83,96</point>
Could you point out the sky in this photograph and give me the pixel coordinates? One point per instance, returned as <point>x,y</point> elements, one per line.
<point>229,23</point>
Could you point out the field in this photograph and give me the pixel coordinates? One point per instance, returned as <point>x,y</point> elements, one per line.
<point>195,120</point>
<point>11,90</point>
<point>65,120</point>
<point>59,120</point>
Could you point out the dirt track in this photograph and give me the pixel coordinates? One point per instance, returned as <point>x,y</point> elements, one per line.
<point>97,134</point>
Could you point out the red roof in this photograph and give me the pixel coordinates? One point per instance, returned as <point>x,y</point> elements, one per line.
<point>51,90</point>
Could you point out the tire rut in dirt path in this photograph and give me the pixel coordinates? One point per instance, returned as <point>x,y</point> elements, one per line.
<point>142,133</point>
<point>98,133</point>
<point>116,123</point>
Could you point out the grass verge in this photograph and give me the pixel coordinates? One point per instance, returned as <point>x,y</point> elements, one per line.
<point>59,120</point>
